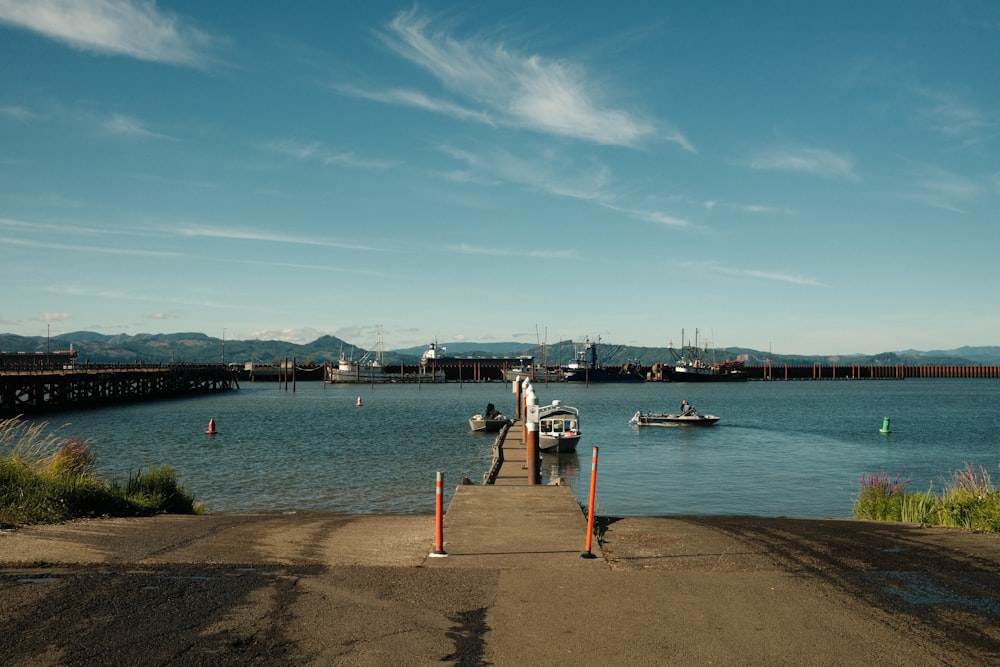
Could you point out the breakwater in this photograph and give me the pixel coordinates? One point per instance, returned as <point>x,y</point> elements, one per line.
<point>92,385</point>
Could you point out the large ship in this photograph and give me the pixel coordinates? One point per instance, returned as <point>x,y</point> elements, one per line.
<point>587,367</point>
<point>469,368</point>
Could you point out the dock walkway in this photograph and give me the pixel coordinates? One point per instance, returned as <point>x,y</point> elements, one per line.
<point>514,524</point>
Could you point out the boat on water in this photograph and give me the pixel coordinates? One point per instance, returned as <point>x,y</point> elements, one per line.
<point>641,418</point>
<point>369,369</point>
<point>587,367</point>
<point>691,365</point>
<point>558,428</point>
<point>435,359</point>
<point>491,421</point>
<point>534,372</point>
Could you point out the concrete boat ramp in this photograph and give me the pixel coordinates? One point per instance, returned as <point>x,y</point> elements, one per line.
<point>513,589</point>
<point>512,523</point>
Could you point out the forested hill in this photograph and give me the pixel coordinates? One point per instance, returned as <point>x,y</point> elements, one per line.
<point>200,348</point>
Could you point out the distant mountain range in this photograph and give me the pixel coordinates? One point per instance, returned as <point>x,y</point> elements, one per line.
<point>200,348</point>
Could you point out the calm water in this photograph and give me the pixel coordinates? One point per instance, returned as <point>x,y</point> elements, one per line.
<point>781,448</point>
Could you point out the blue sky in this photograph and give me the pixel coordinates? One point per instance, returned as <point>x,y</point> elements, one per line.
<point>805,177</point>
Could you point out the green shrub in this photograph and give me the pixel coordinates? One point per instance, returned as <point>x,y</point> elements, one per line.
<point>45,479</point>
<point>968,502</point>
<point>880,498</point>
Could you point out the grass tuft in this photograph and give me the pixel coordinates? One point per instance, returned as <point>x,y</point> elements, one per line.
<point>47,479</point>
<point>969,501</point>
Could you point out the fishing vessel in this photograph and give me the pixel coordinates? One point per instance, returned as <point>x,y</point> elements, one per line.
<point>587,367</point>
<point>692,365</point>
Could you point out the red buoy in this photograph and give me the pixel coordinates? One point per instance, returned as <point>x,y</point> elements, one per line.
<point>211,427</point>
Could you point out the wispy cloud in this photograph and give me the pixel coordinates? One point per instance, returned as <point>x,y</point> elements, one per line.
<point>494,251</point>
<point>939,188</point>
<point>805,160</point>
<point>658,217</point>
<point>946,114</point>
<point>54,317</point>
<point>126,126</point>
<point>133,28</point>
<point>18,113</point>
<point>246,234</point>
<point>499,86</point>
<point>316,151</point>
<point>548,172</point>
<point>756,274</point>
<point>82,249</point>
<point>745,208</point>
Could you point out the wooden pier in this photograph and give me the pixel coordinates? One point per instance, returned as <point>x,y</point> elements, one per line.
<point>866,372</point>
<point>88,385</point>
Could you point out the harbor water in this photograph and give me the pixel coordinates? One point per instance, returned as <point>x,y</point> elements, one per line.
<point>782,448</point>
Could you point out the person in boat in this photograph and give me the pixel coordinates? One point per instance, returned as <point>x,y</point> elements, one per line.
<point>686,408</point>
<point>491,411</point>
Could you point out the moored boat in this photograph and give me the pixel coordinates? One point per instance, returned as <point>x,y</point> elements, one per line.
<point>587,367</point>
<point>535,373</point>
<point>491,421</point>
<point>690,365</point>
<point>558,428</point>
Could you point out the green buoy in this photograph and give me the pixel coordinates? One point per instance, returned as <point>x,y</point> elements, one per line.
<point>885,425</point>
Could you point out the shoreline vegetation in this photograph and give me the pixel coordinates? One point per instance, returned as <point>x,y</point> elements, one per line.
<point>45,478</point>
<point>969,501</point>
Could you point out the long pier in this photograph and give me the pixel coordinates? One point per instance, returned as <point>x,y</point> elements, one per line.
<point>511,521</point>
<point>866,372</point>
<point>88,385</point>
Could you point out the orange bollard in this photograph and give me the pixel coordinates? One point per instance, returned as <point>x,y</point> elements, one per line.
<point>211,427</point>
<point>439,517</point>
<point>590,514</point>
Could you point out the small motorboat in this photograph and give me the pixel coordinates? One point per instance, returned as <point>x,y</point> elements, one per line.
<point>490,425</point>
<point>692,418</point>
<point>491,421</point>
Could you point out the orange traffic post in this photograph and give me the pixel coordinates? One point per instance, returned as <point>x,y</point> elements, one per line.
<point>439,517</point>
<point>591,507</point>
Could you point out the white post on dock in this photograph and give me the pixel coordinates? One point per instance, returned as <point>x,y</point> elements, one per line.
<point>531,437</point>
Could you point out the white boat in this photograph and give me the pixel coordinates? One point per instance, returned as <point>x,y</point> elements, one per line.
<point>491,422</point>
<point>692,418</point>
<point>481,423</point>
<point>369,370</point>
<point>690,365</point>
<point>558,428</point>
